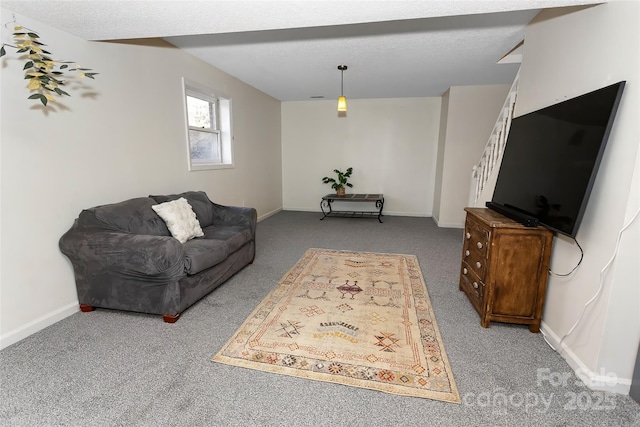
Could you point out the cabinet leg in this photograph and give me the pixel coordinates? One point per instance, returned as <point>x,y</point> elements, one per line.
<point>534,327</point>
<point>86,308</point>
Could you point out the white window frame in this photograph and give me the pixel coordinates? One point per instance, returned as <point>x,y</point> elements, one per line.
<point>223,125</point>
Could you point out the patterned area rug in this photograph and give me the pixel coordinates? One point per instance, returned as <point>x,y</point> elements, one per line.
<point>355,318</point>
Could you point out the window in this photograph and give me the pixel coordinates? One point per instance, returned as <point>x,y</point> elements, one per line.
<point>208,120</point>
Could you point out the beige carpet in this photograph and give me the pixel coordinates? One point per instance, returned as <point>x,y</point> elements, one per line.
<point>355,318</point>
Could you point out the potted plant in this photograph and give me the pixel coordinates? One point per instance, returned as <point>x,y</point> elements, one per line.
<point>341,182</point>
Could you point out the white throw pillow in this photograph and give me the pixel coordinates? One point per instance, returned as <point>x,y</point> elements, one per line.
<point>180,219</point>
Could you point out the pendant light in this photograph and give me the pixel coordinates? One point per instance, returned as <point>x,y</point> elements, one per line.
<point>342,100</point>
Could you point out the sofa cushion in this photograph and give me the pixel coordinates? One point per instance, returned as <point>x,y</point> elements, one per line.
<point>202,206</point>
<point>130,216</point>
<point>201,254</point>
<point>235,236</point>
<point>180,219</point>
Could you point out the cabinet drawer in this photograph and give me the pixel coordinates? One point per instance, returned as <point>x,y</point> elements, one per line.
<point>473,286</point>
<point>476,239</point>
<point>476,262</point>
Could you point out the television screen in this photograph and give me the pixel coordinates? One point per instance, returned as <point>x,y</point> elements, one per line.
<point>551,159</point>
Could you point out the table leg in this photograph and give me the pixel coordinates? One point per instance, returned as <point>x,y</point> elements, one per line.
<point>380,204</point>
<point>323,204</point>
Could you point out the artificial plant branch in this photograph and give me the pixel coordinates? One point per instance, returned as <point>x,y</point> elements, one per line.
<point>45,74</point>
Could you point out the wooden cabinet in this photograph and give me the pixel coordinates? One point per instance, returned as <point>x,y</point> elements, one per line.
<point>504,268</point>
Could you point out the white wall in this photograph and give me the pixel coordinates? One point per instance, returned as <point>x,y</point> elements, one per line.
<point>442,139</point>
<point>390,143</point>
<point>567,54</point>
<point>118,137</point>
<point>471,115</point>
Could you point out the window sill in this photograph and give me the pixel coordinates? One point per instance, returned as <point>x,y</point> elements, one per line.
<point>203,167</point>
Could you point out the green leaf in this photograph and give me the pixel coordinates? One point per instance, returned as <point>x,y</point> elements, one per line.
<point>90,75</point>
<point>42,98</point>
<point>44,51</point>
<point>3,52</point>
<point>62,67</point>
<point>19,34</point>
<point>60,92</point>
<point>84,69</point>
<point>33,35</point>
<point>28,65</point>
<point>57,73</point>
<point>22,50</point>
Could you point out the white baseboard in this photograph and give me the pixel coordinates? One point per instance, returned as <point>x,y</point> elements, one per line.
<point>289,208</point>
<point>412,214</point>
<point>593,380</point>
<point>38,324</point>
<point>448,224</point>
<point>268,214</point>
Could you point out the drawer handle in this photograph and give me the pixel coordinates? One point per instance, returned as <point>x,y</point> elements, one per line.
<point>466,253</point>
<point>475,285</point>
<point>479,245</point>
<point>478,264</point>
<point>464,270</point>
<point>468,235</point>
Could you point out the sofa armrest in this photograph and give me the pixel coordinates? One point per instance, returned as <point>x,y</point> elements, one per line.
<point>138,255</point>
<point>235,215</point>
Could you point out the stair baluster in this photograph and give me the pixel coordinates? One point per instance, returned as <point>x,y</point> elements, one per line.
<point>492,154</point>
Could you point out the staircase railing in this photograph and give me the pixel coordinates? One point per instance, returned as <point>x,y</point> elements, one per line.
<point>492,154</point>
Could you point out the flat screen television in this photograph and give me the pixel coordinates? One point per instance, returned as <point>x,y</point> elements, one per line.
<point>551,159</point>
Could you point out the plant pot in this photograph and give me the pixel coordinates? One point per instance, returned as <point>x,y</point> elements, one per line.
<point>340,191</point>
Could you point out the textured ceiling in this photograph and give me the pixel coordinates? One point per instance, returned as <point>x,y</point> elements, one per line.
<point>291,49</point>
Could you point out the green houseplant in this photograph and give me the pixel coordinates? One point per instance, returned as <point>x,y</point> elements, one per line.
<point>341,182</point>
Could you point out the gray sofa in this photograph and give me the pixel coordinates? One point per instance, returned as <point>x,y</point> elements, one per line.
<point>124,256</point>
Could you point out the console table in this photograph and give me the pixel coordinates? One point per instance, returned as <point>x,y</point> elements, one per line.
<point>325,205</point>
